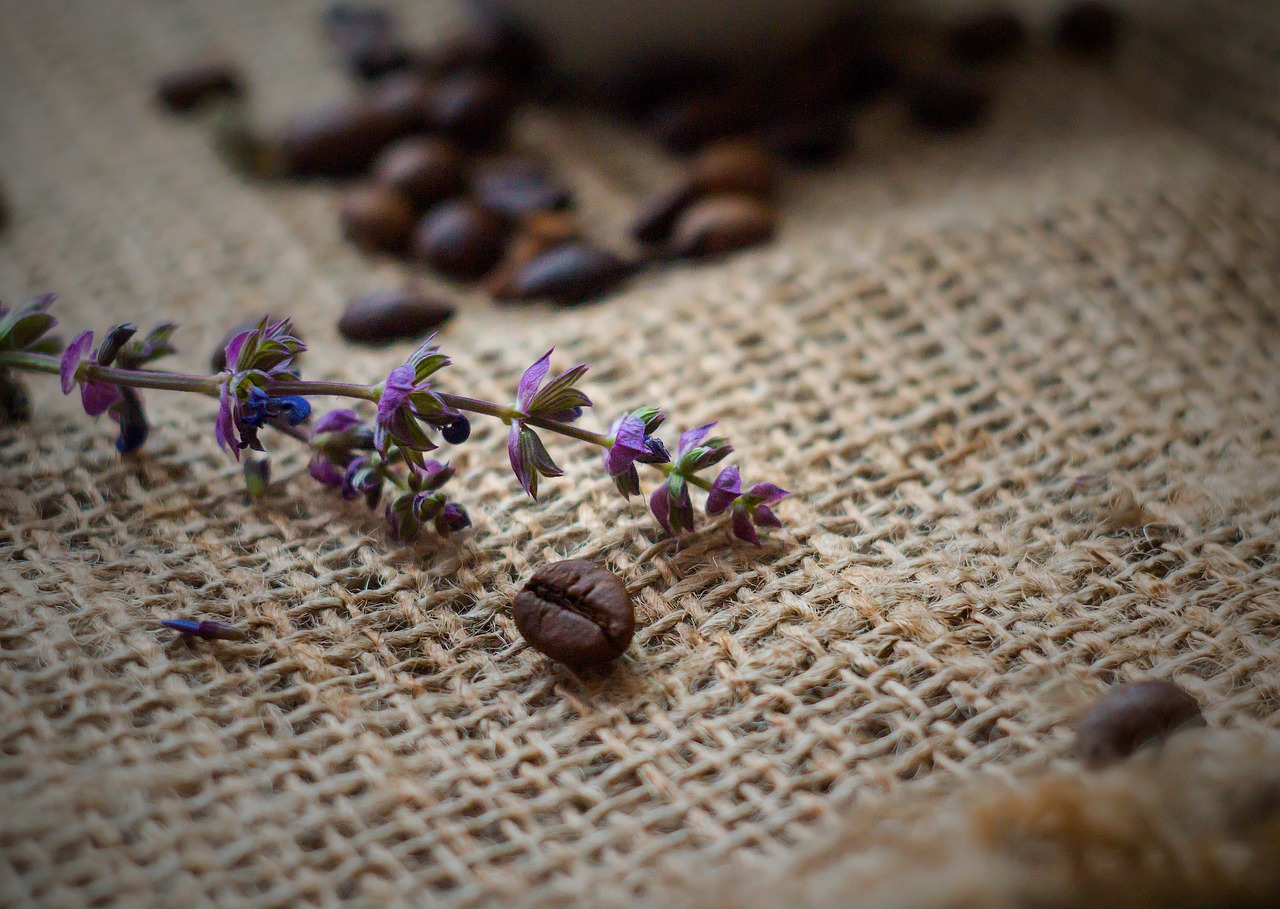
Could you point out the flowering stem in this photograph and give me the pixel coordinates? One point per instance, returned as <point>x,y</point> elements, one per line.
<point>331,389</point>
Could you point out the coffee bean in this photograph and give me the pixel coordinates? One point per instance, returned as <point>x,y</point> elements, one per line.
<point>539,232</point>
<point>425,170</point>
<point>1131,715</point>
<point>341,139</point>
<point>376,218</point>
<point>403,98</point>
<point>460,238</point>
<point>808,137</point>
<point>570,273</point>
<point>947,102</point>
<point>392,315</point>
<point>185,89</point>
<point>472,108</point>
<point>690,122</point>
<point>487,44</point>
<point>1088,29</point>
<point>720,224</point>
<point>576,612</point>
<point>218,359</point>
<point>366,38</point>
<point>727,166</point>
<point>987,37</point>
<point>519,186</point>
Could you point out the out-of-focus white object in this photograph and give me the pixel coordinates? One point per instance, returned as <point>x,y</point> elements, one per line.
<point>593,38</point>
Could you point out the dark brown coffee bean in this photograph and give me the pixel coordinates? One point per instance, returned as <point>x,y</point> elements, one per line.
<point>485,45</point>
<point>425,170</point>
<point>720,224</point>
<point>377,218</point>
<point>576,612</point>
<point>539,232</point>
<point>570,273</point>
<point>460,238</point>
<point>403,98</point>
<point>1088,29</point>
<point>690,122</point>
<point>218,359</point>
<point>520,186</point>
<point>728,166</point>
<point>366,38</point>
<point>340,140</point>
<point>392,315</point>
<point>472,108</point>
<point>987,37</point>
<point>1131,715</point>
<point>948,102</point>
<point>185,89</point>
<point>808,137</point>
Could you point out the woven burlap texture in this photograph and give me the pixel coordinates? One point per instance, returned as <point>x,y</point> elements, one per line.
<point>961,355</point>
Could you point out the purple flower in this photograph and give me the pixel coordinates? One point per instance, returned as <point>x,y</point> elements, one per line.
<point>362,478</point>
<point>406,401</point>
<point>560,401</point>
<point>324,471</point>
<point>672,506</point>
<point>451,519</point>
<point>254,358</point>
<point>726,488</point>
<point>268,348</point>
<point>529,458</point>
<point>751,509</point>
<point>430,476</point>
<point>128,413</point>
<point>239,420</point>
<point>632,443</point>
<point>337,421</point>
<point>96,396</point>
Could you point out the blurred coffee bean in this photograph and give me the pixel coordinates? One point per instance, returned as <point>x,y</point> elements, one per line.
<point>639,87</point>
<point>404,98</point>
<point>570,273</point>
<point>218,359</point>
<point>392,315</point>
<point>518,186</point>
<point>340,140</point>
<point>377,218</point>
<point>987,37</point>
<point>808,137</point>
<point>537,233</point>
<point>1088,29</point>
<point>424,170</point>
<point>460,238</point>
<point>728,166</point>
<point>184,89</point>
<point>366,38</point>
<point>948,101</point>
<point>689,122</point>
<point>485,44</point>
<point>472,108</point>
<point>1132,714</point>
<point>719,224</point>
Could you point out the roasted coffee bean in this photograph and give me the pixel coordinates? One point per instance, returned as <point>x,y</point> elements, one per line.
<point>218,359</point>
<point>472,108</point>
<point>987,37</point>
<point>392,315</point>
<point>487,44</point>
<point>689,122</point>
<point>185,89</point>
<point>460,238</point>
<point>1131,715</point>
<point>1088,29</point>
<point>570,273</point>
<point>404,98</point>
<point>728,166</point>
<point>539,232</point>
<point>366,38</point>
<point>340,140</point>
<point>377,218</point>
<point>948,102</point>
<point>520,186</point>
<point>808,137</point>
<point>720,224</point>
<point>576,612</point>
<point>425,170</point>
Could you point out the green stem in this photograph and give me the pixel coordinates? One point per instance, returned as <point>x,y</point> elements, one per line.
<point>329,389</point>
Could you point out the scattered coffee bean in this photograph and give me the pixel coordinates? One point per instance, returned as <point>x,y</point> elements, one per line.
<point>808,137</point>
<point>366,38</point>
<point>377,218</point>
<point>1131,715</point>
<point>1088,29</point>
<point>424,170</point>
<point>340,140</point>
<point>460,238</point>
<point>720,224</point>
<point>218,359</point>
<point>472,108</point>
<point>185,89</point>
<point>948,102</point>
<point>520,186</point>
<point>987,37</point>
<point>570,273</point>
<point>539,233</point>
<point>487,44</point>
<point>729,166</point>
<point>686,124</point>
<point>392,315</point>
<point>576,612</point>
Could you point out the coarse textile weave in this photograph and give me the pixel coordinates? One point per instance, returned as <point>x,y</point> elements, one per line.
<point>963,355</point>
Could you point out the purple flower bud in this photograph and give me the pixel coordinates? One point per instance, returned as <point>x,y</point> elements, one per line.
<point>660,508</point>
<point>115,340</point>
<point>767,493</point>
<point>451,519</point>
<point>690,438</point>
<point>209,630</point>
<point>134,428</point>
<point>324,471</point>
<point>529,458</point>
<point>95,396</point>
<point>726,488</point>
<point>337,421</point>
<point>430,476</point>
<point>76,351</point>
<point>741,525</point>
<point>458,431</point>
<point>628,444</point>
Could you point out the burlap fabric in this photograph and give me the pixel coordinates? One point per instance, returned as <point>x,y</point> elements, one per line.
<point>960,354</point>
